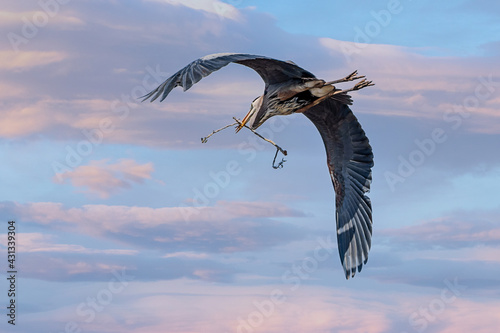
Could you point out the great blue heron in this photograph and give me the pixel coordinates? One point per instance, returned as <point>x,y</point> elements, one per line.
<point>291,89</point>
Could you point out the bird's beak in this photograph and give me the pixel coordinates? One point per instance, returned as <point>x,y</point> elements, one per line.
<point>245,120</point>
<point>252,114</point>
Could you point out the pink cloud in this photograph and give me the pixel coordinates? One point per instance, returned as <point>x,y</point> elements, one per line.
<point>22,119</point>
<point>225,227</point>
<point>47,114</point>
<point>407,83</point>
<point>37,242</point>
<point>189,255</point>
<point>179,306</point>
<point>11,90</point>
<point>104,179</point>
<point>159,306</point>
<point>413,85</point>
<point>58,268</point>
<point>13,18</point>
<point>12,60</point>
<point>450,232</point>
<point>109,217</point>
<point>464,315</point>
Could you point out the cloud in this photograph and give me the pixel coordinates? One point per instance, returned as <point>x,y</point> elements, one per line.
<point>194,255</point>
<point>155,305</point>
<point>14,19</point>
<point>414,85</point>
<point>46,259</point>
<point>9,91</point>
<point>459,244</point>
<point>104,178</point>
<point>85,89</point>
<point>222,9</point>
<point>71,248</point>
<point>24,120</point>
<point>39,243</point>
<point>11,60</point>
<point>58,269</point>
<point>226,227</point>
<point>101,266</point>
<point>459,230</point>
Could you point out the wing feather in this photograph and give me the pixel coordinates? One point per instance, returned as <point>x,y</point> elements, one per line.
<point>271,70</point>
<point>350,159</point>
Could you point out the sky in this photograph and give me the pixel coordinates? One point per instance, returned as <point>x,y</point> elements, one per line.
<point>127,223</point>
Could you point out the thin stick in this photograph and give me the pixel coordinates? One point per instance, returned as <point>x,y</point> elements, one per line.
<point>278,148</point>
<point>280,164</point>
<point>263,138</point>
<point>205,139</point>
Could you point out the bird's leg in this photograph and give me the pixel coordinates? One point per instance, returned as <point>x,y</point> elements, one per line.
<point>360,85</point>
<point>351,77</point>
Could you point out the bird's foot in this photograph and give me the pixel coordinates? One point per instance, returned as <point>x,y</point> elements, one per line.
<point>360,85</point>
<point>351,77</point>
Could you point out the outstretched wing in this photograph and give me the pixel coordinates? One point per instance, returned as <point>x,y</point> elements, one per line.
<point>271,70</point>
<point>350,159</point>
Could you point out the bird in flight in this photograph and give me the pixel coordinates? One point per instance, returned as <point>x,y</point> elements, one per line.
<point>291,89</point>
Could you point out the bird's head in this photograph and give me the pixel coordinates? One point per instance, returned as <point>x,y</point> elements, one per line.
<point>255,117</point>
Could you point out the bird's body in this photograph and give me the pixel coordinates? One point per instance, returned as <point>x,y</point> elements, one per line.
<point>281,99</point>
<point>288,98</point>
<point>291,89</point>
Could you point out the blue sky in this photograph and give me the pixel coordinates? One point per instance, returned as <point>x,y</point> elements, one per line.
<point>128,223</point>
<point>442,28</point>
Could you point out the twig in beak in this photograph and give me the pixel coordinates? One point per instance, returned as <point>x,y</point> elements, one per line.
<point>263,138</point>
<point>280,164</point>
<point>205,139</point>
<point>241,125</point>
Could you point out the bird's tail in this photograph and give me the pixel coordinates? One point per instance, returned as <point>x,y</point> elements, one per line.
<point>342,98</point>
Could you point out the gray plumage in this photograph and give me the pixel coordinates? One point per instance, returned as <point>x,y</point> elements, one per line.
<point>290,89</point>
<point>350,159</point>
